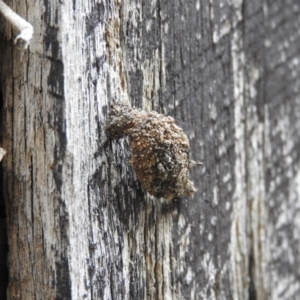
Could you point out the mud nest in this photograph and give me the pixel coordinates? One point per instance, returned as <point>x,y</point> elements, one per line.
<point>160,150</point>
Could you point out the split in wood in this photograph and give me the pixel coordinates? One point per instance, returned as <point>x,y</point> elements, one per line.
<point>24,28</point>
<point>160,150</point>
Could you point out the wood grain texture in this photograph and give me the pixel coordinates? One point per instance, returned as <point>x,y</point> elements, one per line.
<point>79,224</point>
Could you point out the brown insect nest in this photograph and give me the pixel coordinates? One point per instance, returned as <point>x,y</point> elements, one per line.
<point>160,150</point>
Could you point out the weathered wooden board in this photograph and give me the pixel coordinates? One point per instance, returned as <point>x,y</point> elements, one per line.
<point>79,224</point>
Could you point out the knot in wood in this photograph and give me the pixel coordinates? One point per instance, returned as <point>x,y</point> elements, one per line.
<point>160,151</point>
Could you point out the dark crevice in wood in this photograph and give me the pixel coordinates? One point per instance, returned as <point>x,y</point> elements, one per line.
<point>3,243</point>
<point>3,232</point>
<point>251,288</point>
<point>157,267</point>
<point>32,253</point>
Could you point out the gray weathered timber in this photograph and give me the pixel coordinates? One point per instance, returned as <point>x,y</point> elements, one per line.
<point>79,224</point>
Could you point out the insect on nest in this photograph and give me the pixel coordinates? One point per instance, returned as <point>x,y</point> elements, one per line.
<point>160,150</point>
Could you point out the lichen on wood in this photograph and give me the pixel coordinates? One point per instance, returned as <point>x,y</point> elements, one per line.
<point>160,150</point>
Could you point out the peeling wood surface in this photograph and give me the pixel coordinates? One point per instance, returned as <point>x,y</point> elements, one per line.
<point>79,224</point>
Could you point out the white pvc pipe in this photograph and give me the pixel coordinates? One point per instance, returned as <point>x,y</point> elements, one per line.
<point>24,28</point>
